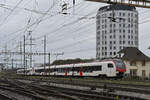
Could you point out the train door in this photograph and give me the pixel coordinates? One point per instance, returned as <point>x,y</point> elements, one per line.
<point>110,68</point>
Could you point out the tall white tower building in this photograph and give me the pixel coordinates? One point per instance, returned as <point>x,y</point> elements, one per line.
<point>116,28</point>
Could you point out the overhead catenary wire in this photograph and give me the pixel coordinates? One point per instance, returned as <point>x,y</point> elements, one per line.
<point>70,38</point>
<point>73,44</point>
<point>11,12</point>
<point>32,25</point>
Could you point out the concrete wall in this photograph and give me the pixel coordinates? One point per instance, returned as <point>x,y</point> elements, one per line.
<point>139,68</point>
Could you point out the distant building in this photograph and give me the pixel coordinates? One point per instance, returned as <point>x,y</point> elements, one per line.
<point>116,28</point>
<point>137,63</point>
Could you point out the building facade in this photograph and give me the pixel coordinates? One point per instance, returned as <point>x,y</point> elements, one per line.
<point>116,28</point>
<point>137,63</point>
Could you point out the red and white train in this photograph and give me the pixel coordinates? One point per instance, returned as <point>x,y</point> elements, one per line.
<point>105,68</point>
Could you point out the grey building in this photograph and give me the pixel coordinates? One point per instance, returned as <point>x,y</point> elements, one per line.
<point>116,28</point>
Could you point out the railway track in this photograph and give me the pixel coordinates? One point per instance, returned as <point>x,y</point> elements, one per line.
<point>79,92</point>
<point>63,90</point>
<point>117,86</point>
<point>36,92</point>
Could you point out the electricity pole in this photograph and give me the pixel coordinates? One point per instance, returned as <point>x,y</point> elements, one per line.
<point>30,50</point>
<point>44,53</point>
<point>49,58</point>
<point>21,52</point>
<point>24,62</point>
<point>12,63</point>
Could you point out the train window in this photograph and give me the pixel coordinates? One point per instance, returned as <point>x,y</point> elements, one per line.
<point>77,69</point>
<point>97,68</point>
<point>69,69</point>
<point>110,65</point>
<point>91,69</point>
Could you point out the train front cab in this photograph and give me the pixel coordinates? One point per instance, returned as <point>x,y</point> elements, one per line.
<point>120,68</point>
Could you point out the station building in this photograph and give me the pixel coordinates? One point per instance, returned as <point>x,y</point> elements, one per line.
<point>137,63</point>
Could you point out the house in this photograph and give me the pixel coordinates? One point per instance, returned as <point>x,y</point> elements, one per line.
<point>137,63</point>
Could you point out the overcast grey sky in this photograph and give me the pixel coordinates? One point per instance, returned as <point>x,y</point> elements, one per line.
<point>71,33</point>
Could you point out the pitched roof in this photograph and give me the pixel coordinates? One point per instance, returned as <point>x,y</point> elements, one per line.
<point>133,53</point>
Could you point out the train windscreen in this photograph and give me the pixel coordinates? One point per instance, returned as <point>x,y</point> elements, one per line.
<point>120,64</point>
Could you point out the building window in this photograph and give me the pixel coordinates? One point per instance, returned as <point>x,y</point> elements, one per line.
<point>110,42</point>
<point>110,14</point>
<point>120,47</point>
<point>128,25</point>
<point>105,32</point>
<point>106,53</point>
<point>114,48</point>
<point>120,36</point>
<point>110,47</point>
<point>123,36</point>
<point>110,36</point>
<point>123,14</point>
<point>123,42</point>
<point>124,31</point>
<point>143,73</point>
<point>128,31</point>
<point>114,31</point>
<point>114,25</point>
<point>110,25</point>
<point>143,63</point>
<point>120,31</point>
<point>128,19</point>
<point>128,42</point>
<point>110,31</point>
<point>128,36</point>
<point>114,53</point>
<point>133,72</point>
<point>128,14</point>
<point>124,25</point>
<point>114,42</point>
<point>110,53</point>
<point>132,63</point>
<point>120,42</point>
<point>120,13</point>
<point>119,25</point>
<point>103,26</point>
